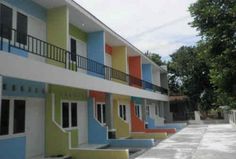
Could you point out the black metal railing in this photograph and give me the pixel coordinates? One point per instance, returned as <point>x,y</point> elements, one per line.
<point>11,38</point>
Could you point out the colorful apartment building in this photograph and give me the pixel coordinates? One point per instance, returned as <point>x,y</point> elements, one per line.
<point>70,86</point>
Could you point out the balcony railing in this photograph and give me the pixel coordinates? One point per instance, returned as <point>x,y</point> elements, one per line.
<point>11,38</point>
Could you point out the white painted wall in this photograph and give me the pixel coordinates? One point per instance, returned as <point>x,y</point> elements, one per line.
<point>36,28</point>
<point>34,127</point>
<point>108,60</point>
<point>152,111</point>
<point>82,114</point>
<point>14,66</point>
<point>156,77</point>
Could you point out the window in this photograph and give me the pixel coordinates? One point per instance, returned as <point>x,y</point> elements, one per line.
<point>73,49</point>
<point>122,110</point>
<point>101,112</point>
<point>69,114</point>
<point>148,110</point>
<point>19,116</point>
<point>5,21</point>
<point>5,110</point>
<point>22,22</point>
<point>12,117</point>
<point>138,111</point>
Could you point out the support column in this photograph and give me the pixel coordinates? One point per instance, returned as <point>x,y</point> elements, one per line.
<point>144,109</point>
<point>109,110</point>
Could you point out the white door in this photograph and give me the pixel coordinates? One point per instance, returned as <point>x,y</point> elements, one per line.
<point>82,122</point>
<point>34,127</point>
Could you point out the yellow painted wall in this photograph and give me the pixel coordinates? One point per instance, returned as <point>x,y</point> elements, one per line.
<point>122,127</point>
<point>119,60</point>
<point>58,30</point>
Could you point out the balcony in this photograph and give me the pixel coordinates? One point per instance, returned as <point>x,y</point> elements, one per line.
<point>11,38</point>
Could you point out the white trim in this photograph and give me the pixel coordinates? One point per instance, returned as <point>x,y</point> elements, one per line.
<point>103,123</point>
<point>139,115</point>
<point>11,117</point>
<point>70,119</point>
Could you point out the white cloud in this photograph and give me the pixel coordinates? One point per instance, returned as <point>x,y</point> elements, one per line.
<point>129,18</point>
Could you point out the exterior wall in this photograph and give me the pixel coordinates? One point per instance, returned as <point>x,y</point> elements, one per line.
<point>164,80</point>
<point>121,126</point>
<point>97,134</point>
<point>36,23</point>
<point>135,66</point>
<point>132,143</point>
<point>36,89</point>
<point>8,145</point>
<point>96,51</point>
<point>57,142</point>
<point>29,7</point>
<point>144,135</point>
<point>58,30</point>
<point>135,69</point>
<point>119,60</point>
<point>156,77</point>
<point>147,72</point>
<point>138,125</point>
<point>78,33</point>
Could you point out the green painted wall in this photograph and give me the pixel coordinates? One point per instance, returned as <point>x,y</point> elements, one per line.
<point>78,33</point>
<point>58,30</point>
<point>156,136</point>
<point>56,140</point>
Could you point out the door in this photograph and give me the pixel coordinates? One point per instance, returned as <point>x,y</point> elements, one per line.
<point>82,122</point>
<point>34,127</point>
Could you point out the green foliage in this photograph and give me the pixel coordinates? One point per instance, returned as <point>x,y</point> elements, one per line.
<point>189,75</point>
<point>155,58</point>
<point>215,20</point>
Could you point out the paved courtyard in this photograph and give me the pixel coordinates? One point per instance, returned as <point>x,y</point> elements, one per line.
<point>197,142</point>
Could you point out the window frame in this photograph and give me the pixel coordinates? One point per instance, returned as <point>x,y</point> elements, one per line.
<point>21,37</point>
<point>148,110</point>
<point>123,112</point>
<point>11,117</point>
<point>9,37</point>
<point>69,102</point>
<point>138,108</point>
<point>103,109</point>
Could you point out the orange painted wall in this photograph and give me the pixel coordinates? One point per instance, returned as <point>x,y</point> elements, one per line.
<point>108,49</point>
<point>99,96</point>
<point>135,70</point>
<point>137,124</point>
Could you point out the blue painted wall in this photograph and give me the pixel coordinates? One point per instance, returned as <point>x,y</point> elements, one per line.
<point>151,122</point>
<point>96,52</point>
<point>147,75</point>
<point>121,143</point>
<point>13,148</point>
<point>30,8</point>
<point>97,134</point>
<point>37,89</point>
<point>14,50</point>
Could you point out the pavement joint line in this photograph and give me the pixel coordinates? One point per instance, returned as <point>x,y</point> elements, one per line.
<point>203,134</point>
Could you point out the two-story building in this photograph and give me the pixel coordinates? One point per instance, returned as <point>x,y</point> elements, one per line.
<point>70,85</point>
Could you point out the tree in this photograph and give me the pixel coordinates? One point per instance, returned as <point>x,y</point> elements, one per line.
<point>215,20</point>
<point>188,70</point>
<point>155,58</point>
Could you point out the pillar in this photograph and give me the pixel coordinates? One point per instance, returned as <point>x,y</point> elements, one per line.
<point>109,110</point>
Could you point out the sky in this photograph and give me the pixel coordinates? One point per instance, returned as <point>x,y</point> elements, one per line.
<point>159,26</point>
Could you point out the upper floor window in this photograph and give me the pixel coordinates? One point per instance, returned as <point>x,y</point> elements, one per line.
<point>12,117</point>
<point>122,112</point>
<point>69,114</point>
<point>22,28</point>
<point>6,15</point>
<point>101,112</point>
<point>73,49</point>
<point>138,111</point>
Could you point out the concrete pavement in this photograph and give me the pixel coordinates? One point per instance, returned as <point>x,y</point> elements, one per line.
<point>197,142</point>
